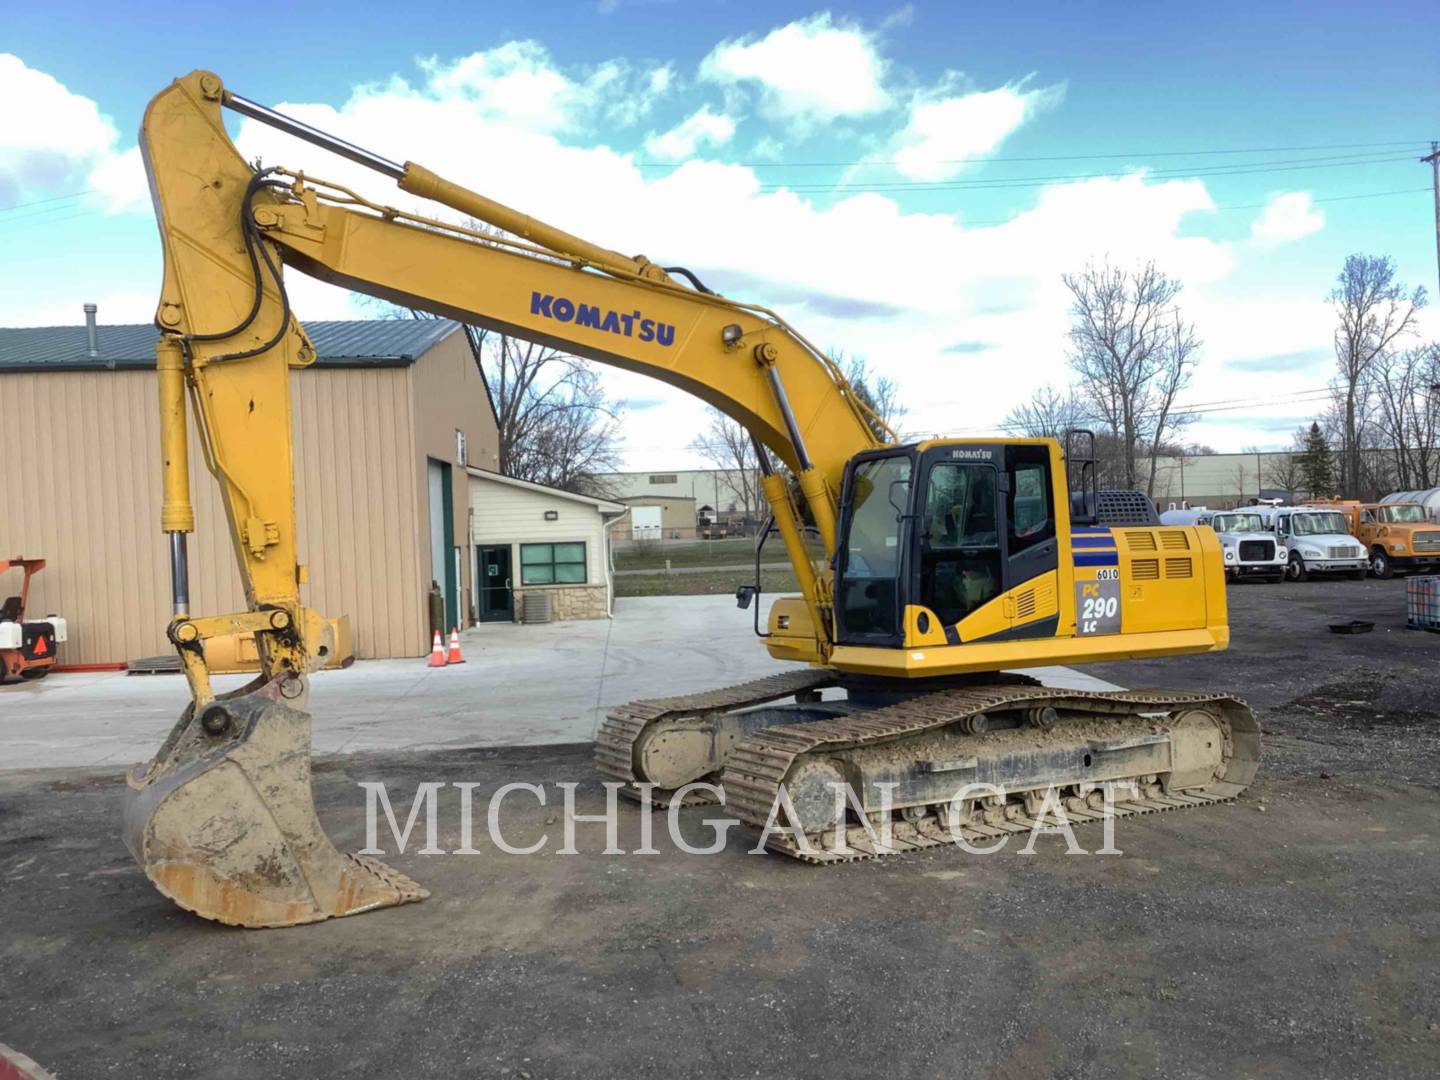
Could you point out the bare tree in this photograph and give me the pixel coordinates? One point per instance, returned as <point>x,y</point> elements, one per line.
<point>1242,477</point>
<point>727,445</point>
<point>1407,412</point>
<point>879,393</point>
<point>1132,353</point>
<point>1287,473</point>
<point>555,424</point>
<point>1373,311</point>
<point>1048,414</point>
<point>1174,364</point>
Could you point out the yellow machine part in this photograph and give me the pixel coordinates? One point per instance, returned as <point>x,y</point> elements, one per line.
<point>239,653</point>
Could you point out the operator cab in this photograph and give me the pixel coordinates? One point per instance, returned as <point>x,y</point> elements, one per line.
<point>945,526</point>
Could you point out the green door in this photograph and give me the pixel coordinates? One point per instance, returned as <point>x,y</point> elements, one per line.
<point>444,566</point>
<point>492,576</point>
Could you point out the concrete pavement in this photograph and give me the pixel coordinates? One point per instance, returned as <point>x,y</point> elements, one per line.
<point>520,685</point>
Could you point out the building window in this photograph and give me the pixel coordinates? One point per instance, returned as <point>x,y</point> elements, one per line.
<point>552,564</point>
<point>664,478</point>
<point>462,453</point>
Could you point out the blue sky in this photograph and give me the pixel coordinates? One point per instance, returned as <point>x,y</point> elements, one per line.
<point>838,163</point>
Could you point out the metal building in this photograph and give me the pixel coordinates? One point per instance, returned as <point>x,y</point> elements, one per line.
<point>385,422</point>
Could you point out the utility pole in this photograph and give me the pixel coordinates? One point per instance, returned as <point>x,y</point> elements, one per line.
<point>1434,161</point>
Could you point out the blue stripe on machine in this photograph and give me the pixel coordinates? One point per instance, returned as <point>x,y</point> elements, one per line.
<point>1082,529</point>
<point>1106,541</point>
<point>1097,558</point>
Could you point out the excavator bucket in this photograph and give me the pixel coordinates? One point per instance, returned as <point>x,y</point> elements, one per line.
<point>224,823</point>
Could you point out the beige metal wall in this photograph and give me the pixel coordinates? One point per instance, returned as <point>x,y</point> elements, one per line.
<point>80,487</point>
<point>677,515</point>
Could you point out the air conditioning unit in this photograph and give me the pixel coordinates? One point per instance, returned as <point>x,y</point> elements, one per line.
<point>536,607</point>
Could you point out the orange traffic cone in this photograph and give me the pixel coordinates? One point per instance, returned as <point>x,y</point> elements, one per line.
<point>454,657</point>
<point>437,652</point>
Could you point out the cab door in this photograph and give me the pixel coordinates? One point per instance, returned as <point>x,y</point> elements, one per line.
<point>1030,544</point>
<point>960,569</point>
<point>1032,604</point>
<point>986,550</point>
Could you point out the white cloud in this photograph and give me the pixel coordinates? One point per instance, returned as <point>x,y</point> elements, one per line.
<point>517,83</point>
<point>700,128</point>
<point>1287,216</point>
<point>49,136</point>
<point>945,129</point>
<point>831,267</point>
<point>899,287</point>
<point>114,307</point>
<point>119,180</point>
<point>809,71</point>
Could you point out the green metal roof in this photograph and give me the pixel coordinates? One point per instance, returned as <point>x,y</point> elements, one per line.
<point>338,343</point>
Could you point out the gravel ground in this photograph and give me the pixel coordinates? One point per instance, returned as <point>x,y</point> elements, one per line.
<point>1290,934</point>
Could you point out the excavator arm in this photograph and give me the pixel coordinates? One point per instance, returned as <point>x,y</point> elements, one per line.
<point>222,818</point>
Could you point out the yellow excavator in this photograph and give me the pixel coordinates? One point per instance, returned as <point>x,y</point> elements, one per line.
<point>945,563</point>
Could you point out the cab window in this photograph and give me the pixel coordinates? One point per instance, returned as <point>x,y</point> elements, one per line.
<point>870,553</point>
<point>1032,517</point>
<point>960,542</point>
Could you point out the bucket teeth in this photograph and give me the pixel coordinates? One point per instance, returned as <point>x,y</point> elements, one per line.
<point>224,823</point>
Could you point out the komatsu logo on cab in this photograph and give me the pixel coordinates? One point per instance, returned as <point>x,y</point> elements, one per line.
<point>626,324</point>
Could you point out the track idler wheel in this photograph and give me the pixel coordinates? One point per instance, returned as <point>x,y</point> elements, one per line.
<point>223,820</point>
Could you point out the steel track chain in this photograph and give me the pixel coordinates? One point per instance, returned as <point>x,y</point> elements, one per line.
<point>626,724</point>
<point>757,766</point>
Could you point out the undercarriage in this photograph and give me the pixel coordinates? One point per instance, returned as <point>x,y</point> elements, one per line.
<point>832,768</point>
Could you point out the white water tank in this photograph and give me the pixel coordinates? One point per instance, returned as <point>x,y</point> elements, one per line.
<point>1428,498</point>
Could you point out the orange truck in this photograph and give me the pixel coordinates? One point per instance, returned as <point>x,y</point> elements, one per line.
<point>1399,536</point>
<point>27,647</point>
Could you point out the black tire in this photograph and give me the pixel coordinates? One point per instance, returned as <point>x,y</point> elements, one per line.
<point>35,673</point>
<point>1295,569</point>
<point>1380,565</point>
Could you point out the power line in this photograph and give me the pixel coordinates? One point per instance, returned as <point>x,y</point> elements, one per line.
<point>1053,157</point>
<point>40,202</point>
<point>1299,397</point>
<point>1302,397</point>
<point>1234,206</point>
<point>942,161</point>
<point>1000,183</point>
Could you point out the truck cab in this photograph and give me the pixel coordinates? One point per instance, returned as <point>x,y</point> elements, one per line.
<point>1250,548</point>
<point>1398,536</point>
<point>1318,539</point>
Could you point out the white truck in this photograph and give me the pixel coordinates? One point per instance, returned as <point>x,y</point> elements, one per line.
<point>1319,541</point>
<point>1250,547</point>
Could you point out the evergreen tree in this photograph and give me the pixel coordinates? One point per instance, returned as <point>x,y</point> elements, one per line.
<point>1317,467</point>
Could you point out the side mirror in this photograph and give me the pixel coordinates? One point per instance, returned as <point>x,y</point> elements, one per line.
<point>743,595</point>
